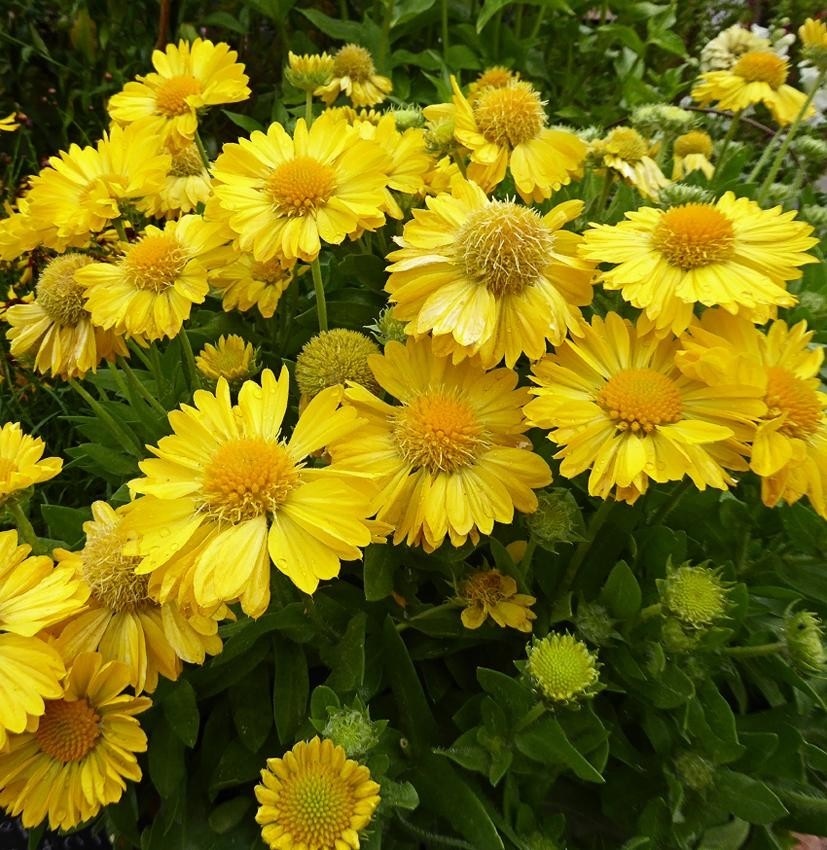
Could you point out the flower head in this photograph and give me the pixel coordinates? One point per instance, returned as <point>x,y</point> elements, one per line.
<point>692,152</point>
<point>729,46</point>
<point>489,593</point>
<point>803,635</point>
<point>9,123</point>
<point>21,461</point>
<point>652,118</point>
<point>625,151</point>
<point>694,770</point>
<point>558,519</point>
<point>309,71</point>
<point>186,186</point>
<point>335,357</point>
<point>352,730</point>
<point>697,596</point>
<point>231,358</point>
<point>244,283</point>
<point>354,74</point>
<point>562,668</point>
<point>813,35</point>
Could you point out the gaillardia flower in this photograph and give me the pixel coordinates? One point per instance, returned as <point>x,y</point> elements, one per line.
<point>335,357</point>
<point>489,593</point>
<point>696,595</point>
<point>723,51</point>
<point>82,752</point>
<point>355,75</point>
<point>731,253</point>
<point>226,493</point>
<point>315,798</point>
<point>308,71</point>
<point>562,668</point>
<point>231,358</point>
<point>186,186</point>
<point>9,123</point>
<point>487,277</point>
<point>627,153</point>
<point>692,152</point>
<point>21,461</point>
<point>243,282</point>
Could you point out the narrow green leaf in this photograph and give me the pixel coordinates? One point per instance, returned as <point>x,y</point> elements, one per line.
<point>748,798</point>
<point>250,705</point>
<point>545,741</point>
<point>290,688</point>
<point>378,571</point>
<point>167,768</point>
<point>180,708</point>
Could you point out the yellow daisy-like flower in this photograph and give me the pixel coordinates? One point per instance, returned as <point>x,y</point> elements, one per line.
<point>692,152</point>
<point>187,78</point>
<point>309,71</point>
<point>243,282</point>
<point>496,77</point>
<point>9,123</point>
<point>121,620</point>
<point>759,76</point>
<point>283,196</point>
<point>33,596</point>
<point>231,358</point>
<point>226,483</point>
<point>489,593</point>
<point>21,461</point>
<point>813,35</point>
<point>625,151</point>
<point>354,74</point>
<point>186,186</point>
<point>451,457</point>
<point>82,752</point>
<point>731,253</point>
<point>504,128</point>
<point>729,46</point>
<point>315,798</point>
<point>616,403</point>
<point>149,291</point>
<point>489,277</point>
<point>55,329</point>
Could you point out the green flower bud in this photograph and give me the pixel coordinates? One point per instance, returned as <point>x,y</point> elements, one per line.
<point>653,117</point>
<point>802,632</point>
<point>815,302</point>
<point>594,623</point>
<point>694,770</point>
<point>676,194</point>
<point>334,357</point>
<point>817,216</point>
<point>407,116</point>
<point>439,137</point>
<point>558,519</point>
<point>387,328</point>
<point>674,637</point>
<point>778,193</point>
<point>352,730</point>
<point>562,669</point>
<point>812,150</point>
<point>697,596</point>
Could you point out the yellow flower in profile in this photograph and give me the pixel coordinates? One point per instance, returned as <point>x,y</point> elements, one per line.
<point>489,277</point>
<point>731,253</point>
<point>451,457</point>
<point>243,282</point>
<point>78,759</point>
<point>34,595</point>
<point>55,329</point>
<point>309,71</point>
<point>625,151</point>
<point>759,76</point>
<point>495,77</point>
<point>692,152</point>
<point>617,404</point>
<point>354,74</point>
<point>282,197</point>
<point>315,798</point>
<point>227,485</point>
<point>187,77</point>
<point>186,186</point>
<point>149,291</point>
<point>21,461</point>
<point>504,128</point>
<point>813,35</point>
<point>231,358</point>
<point>489,593</point>
<point>9,124</point>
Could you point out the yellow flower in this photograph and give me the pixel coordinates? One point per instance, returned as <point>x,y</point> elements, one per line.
<point>315,798</point>
<point>186,186</point>
<point>731,253</point>
<point>759,76</point>
<point>489,593</point>
<point>489,277</point>
<point>231,358</point>
<point>243,282</point>
<point>309,71</point>
<point>505,129</point>
<point>229,487</point>
<point>335,357</point>
<point>283,196</point>
<point>692,152</point>
<point>56,329</point>
<point>82,752</point>
<point>355,74</point>
<point>452,458</point>
<point>813,35</point>
<point>562,668</point>
<point>187,78</point>
<point>495,77</point>
<point>149,291</point>
<point>33,596</point>
<point>625,151</point>
<point>723,51</point>
<point>617,404</point>
<point>8,124</point>
<point>20,461</point>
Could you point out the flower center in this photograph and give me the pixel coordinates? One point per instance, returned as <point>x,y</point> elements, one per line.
<point>485,587</point>
<point>762,66</point>
<point>154,262</point>
<point>640,400</point>
<point>695,141</point>
<point>316,808</point>
<point>510,115</point>
<point>335,357</point>
<point>694,235</point>
<point>438,432</point>
<point>355,62</point>
<point>301,185</point>
<point>626,143</point>
<point>186,163</point>
<point>110,574</point>
<point>171,96</point>
<point>57,292</point>
<point>794,399</point>
<point>248,477</point>
<point>562,667</point>
<point>504,246</point>
<point>68,730</point>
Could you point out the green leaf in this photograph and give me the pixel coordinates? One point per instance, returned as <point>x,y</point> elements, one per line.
<point>320,700</point>
<point>378,572</point>
<point>365,33</point>
<point>730,836</point>
<point>104,461</point>
<point>621,593</point>
<point>226,20</point>
<point>347,661</point>
<point>290,688</point>
<point>511,694</point>
<point>237,766</point>
<point>180,708</point>
<point>250,705</point>
<point>398,795</point>
<point>167,768</point>
<point>489,9</point>
<point>225,816</point>
<point>291,619</point>
<point>748,798</point>
<point>246,122</point>
<point>545,741</point>
<point>406,10</point>
<point>65,523</point>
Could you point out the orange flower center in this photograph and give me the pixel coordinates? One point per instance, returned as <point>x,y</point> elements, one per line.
<point>695,141</point>
<point>57,292</point>
<point>640,400</point>
<point>762,66</point>
<point>316,807</point>
<point>248,477</point>
<point>271,271</point>
<point>438,432</point>
<point>110,574</point>
<point>171,96</point>
<point>694,235</point>
<point>510,115</point>
<point>485,587</point>
<point>186,163</point>
<point>68,730</point>
<point>154,262</point>
<point>795,399</point>
<point>627,144</point>
<point>301,185</point>
<point>504,246</point>
<point>355,62</point>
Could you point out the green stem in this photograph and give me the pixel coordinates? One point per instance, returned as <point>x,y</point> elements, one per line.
<point>599,517</point>
<point>127,439</point>
<point>25,530</point>
<point>730,134</point>
<point>759,649</point>
<point>308,107</point>
<point>603,199</point>
<point>762,161</point>
<point>318,288</point>
<point>535,30</point>
<point>121,230</point>
<point>141,387</point>
<point>671,503</point>
<point>202,150</point>
<point>532,715</point>
<point>189,362</point>
<point>444,20</point>
<point>381,54</point>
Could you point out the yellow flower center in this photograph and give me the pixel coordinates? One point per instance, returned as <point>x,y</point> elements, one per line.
<point>694,235</point>
<point>154,262</point>
<point>57,292</point>
<point>640,400</point>
<point>355,62</point>
<point>111,574</point>
<point>509,116</point>
<point>248,477</point>
<point>504,246</point>
<point>626,143</point>
<point>186,163</point>
<point>335,357</point>
<point>562,667</point>
<point>794,399</point>
<point>230,358</point>
<point>695,141</point>
<point>68,730</point>
<point>695,595</point>
<point>762,66</point>
<point>484,587</point>
<point>271,271</point>
<point>171,96</point>
<point>439,432</point>
<point>316,807</point>
<point>301,185</point>
<point>497,77</point>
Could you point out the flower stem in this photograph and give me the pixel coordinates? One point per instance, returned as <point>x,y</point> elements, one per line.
<point>532,715</point>
<point>202,150</point>
<point>730,135</point>
<point>759,649</point>
<point>671,503</point>
<point>189,362</point>
<point>318,288</point>
<point>24,528</point>
<point>121,230</point>
<point>444,20</point>
<point>308,107</point>
<point>763,160</point>
<point>141,388</point>
<point>599,517</point>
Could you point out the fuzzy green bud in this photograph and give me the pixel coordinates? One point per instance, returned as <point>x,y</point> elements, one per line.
<point>697,596</point>
<point>594,623</point>
<point>407,116</point>
<point>387,328</point>
<point>815,215</point>
<point>812,150</point>
<point>674,637</point>
<point>335,357</point>
<point>558,519</point>
<point>352,730</point>
<point>778,194</point>
<point>694,770</point>
<point>802,632</point>
<point>439,137</point>
<point>676,194</point>
<point>815,302</point>
<point>663,117</point>
<point>562,668</point>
